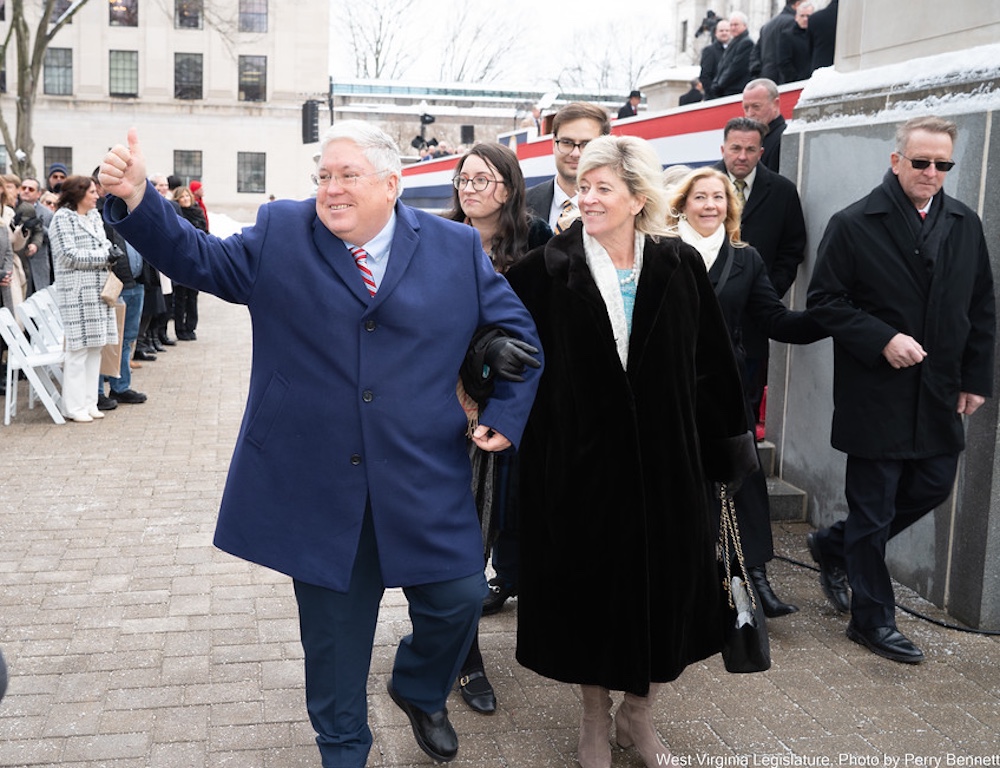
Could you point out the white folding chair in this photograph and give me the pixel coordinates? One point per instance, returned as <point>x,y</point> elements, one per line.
<point>46,302</point>
<point>36,366</point>
<point>38,324</point>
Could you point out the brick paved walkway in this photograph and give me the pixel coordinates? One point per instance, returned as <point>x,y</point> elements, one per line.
<point>132,643</point>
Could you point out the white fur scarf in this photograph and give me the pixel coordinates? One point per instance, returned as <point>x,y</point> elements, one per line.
<point>606,277</point>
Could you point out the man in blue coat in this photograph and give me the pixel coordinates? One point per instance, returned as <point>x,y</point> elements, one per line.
<point>350,472</point>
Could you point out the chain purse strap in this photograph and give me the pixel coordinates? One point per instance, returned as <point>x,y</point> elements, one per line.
<point>729,543</point>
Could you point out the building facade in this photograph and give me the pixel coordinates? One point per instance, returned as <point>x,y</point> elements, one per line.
<point>214,87</point>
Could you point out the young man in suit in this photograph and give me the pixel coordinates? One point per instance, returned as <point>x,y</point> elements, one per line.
<point>351,471</point>
<point>573,127</point>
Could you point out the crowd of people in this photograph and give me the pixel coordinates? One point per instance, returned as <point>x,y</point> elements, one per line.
<point>53,238</point>
<point>594,377</point>
<point>597,374</point>
<point>789,48</point>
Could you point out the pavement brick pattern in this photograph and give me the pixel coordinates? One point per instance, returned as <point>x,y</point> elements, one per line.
<point>133,643</point>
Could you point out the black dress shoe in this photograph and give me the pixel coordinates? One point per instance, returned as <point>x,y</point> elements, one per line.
<point>477,692</point>
<point>887,642</point>
<point>155,344</point>
<point>832,578</point>
<point>433,731</point>
<point>105,403</point>
<point>128,396</point>
<point>500,591</point>
<point>142,355</point>
<point>167,341</point>
<point>772,606</point>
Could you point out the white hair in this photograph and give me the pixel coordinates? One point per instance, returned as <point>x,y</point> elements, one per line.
<point>378,147</point>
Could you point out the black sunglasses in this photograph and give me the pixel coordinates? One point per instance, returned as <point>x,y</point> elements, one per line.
<point>943,166</point>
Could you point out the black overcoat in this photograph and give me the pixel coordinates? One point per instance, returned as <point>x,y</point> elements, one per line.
<point>615,470</point>
<point>872,281</point>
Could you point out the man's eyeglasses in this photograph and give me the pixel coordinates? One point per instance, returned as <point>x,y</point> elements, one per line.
<point>941,166</point>
<point>479,183</point>
<point>566,146</point>
<point>347,180</point>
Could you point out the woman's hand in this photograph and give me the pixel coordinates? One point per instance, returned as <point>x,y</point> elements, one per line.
<point>123,172</point>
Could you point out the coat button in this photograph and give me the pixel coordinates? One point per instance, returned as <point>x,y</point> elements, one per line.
<point>367,396</point>
<point>355,459</point>
<point>369,325</point>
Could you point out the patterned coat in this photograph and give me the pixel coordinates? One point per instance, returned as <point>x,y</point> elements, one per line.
<point>80,258</point>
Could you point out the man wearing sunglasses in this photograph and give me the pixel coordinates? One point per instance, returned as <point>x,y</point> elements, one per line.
<point>903,285</point>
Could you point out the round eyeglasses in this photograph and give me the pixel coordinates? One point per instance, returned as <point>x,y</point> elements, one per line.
<point>324,179</point>
<point>479,183</point>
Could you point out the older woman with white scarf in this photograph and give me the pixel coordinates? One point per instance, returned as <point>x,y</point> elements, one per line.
<point>640,407</point>
<point>705,212</point>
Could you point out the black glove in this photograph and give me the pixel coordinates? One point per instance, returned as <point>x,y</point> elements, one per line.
<point>114,254</point>
<point>508,357</point>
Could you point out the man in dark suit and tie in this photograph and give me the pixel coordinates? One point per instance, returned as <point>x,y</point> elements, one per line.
<point>351,472</point>
<point>573,127</point>
<point>631,107</point>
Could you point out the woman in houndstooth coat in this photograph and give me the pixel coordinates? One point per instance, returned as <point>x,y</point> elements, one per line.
<point>80,256</point>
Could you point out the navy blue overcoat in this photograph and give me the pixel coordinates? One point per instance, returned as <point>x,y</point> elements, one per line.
<point>351,397</point>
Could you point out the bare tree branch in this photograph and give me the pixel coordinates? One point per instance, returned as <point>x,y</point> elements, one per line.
<point>378,35</point>
<point>480,42</point>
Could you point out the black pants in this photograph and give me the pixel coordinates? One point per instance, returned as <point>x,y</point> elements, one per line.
<point>884,497</point>
<point>185,309</point>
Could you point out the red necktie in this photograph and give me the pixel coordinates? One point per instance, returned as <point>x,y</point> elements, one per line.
<point>361,259</point>
<point>923,214</point>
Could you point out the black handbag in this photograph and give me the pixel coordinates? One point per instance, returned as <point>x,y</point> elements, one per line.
<point>745,644</point>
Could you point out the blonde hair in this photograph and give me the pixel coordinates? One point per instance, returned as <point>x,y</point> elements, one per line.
<point>637,164</point>
<point>682,189</point>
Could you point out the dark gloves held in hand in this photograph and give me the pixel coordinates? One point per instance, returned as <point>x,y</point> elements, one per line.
<point>508,357</point>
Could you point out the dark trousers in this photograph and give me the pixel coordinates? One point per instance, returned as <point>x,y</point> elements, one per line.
<point>884,497</point>
<point>185,309</point>
<point>338,629</point>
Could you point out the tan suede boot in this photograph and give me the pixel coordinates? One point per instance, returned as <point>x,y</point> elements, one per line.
<point>594,749</point>
<point>634,727</point>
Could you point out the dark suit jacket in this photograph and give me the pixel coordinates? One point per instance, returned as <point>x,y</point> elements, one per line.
<point>773,223</point>
<point>823,35</point>
<point>772,143</point>
<point>711,57</point>
<point>691,97</point>
<point>352,397</point>
<point>539,198</point>
<point>764,58</point>
<point>627,110</point>
<point>794,54</point>
<point>734,69</point>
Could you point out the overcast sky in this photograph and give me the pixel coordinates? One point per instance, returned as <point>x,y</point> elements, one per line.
<point>550,34</point>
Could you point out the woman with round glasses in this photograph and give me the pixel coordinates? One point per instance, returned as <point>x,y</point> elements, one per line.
<point>489,195</point>
<point>638,409</point>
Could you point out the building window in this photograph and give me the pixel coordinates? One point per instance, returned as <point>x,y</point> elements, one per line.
<point>188,14</point>
<point>253,15</point>
<point>253,78</point>
<point>250,171</point>
<point>123,13</point>
<point>59,7</point>
<point>3,17</point>
<point>187,75</point>
<point>62,155</point>
<point>57,75</point>
<point>123,79</point>
<point>187,165</point>
<point>3,158</point>
<point>684,36</point>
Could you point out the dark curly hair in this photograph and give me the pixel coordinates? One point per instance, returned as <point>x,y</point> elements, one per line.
<point>511,240</point>
<point>73,190</point>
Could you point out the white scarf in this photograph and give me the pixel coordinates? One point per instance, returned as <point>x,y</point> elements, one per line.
<point>606,276</point>
<point>708,247</point>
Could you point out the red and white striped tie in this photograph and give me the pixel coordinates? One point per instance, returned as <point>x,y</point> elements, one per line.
<point>361,259</point>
